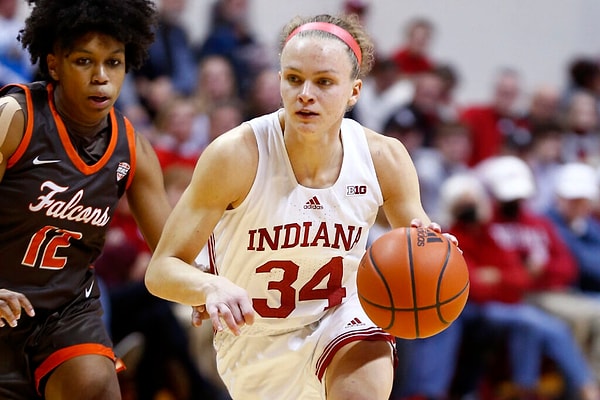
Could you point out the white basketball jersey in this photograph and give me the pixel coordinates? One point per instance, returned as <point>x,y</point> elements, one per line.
<point>296,249</point>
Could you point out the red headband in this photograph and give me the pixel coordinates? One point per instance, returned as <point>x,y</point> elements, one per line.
<point>335,30</point>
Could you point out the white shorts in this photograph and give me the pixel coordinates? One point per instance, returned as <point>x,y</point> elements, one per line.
<point>292,365</point>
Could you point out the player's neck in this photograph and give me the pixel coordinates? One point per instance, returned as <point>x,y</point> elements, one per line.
<point>75,127</point>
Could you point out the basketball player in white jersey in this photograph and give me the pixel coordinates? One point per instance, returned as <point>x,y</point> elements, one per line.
<point>289,198</point>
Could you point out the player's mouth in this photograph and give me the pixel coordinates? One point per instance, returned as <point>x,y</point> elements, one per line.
<point>306,113</point>
<point>100,101</point>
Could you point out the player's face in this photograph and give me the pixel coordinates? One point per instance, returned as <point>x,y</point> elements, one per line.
<point>89,76</point>
<point>317,85</point>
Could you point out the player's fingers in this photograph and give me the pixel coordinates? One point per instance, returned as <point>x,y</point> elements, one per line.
<point>197,315</point>
<point>434,226</point>
<point>221,311</point>
<point>453,239</point>
<point>215,317</point>
<point>11,304</point>
<point>247,313</point>
<point>416,223</point>
<point>233,319</point>
<point>7,314</point>
<point>26,305</point>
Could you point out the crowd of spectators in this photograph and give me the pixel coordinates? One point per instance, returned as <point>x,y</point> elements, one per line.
<point>516,179</point>
<point>518,185</point>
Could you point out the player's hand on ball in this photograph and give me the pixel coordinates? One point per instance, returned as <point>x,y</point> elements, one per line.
<point>413,282</point>
<point>417,223</point>
<point>228,302</point>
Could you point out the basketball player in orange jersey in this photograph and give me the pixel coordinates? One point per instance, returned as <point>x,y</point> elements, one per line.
<point>67,156</point>
<point>289,198</point>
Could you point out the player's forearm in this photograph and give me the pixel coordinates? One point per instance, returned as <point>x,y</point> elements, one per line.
<point>172,279</point>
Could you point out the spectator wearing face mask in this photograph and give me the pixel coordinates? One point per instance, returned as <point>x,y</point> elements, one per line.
<point>550,263</point>
<point>496,317</point>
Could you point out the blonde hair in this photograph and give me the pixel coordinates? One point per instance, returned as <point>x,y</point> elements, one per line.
<point>349,23</point>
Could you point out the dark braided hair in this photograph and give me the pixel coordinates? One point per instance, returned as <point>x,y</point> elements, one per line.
<point>61,22</point>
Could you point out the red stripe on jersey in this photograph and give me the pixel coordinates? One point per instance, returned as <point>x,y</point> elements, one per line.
<point>132,152</point>
<point>28,130</point>
<point>211,255</point>
<point>67,353</point>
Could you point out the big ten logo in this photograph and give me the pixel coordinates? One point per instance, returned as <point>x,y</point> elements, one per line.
<point>425,236</point>
<point>353,190</point>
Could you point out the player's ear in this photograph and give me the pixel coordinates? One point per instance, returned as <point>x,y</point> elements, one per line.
<point>51,60</point>
<point>355,93</point>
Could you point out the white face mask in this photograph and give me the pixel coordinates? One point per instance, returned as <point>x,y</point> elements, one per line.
<point>579,226</point>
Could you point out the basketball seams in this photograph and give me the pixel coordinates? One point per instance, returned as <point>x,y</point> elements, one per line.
<point>440,279</point>
<point>404,293</point>
<point>413,285</point>
<point>387,288</point>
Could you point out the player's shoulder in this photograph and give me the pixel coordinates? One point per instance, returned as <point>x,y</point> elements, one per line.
<point>13,118</point>
<point>382,146</point>
<point>237,145</point>
<point>234,140</point>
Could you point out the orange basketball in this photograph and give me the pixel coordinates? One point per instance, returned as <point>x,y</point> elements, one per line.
<point>413,282</point>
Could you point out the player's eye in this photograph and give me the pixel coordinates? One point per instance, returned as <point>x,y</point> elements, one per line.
<point>325,82</point>
<point>83,61</point>
<point>293,79</point>
<point>115,62</point>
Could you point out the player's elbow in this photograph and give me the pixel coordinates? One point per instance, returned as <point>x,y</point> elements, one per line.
<point>152,278</point>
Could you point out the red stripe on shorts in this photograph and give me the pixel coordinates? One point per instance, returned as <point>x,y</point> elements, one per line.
<point>65,354</point>
<point>342,340</point>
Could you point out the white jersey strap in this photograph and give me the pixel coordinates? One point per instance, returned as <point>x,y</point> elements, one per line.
<point>8,107</point>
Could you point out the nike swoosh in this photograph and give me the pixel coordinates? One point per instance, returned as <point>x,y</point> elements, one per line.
<point>37,161</point>
<point>88,291</point>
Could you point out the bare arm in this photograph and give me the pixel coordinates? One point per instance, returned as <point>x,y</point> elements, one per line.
<point>146,195</point>
<point>398,180</point>
<point>222,178</point>
<point>400,185</point>
<point>12,128</point>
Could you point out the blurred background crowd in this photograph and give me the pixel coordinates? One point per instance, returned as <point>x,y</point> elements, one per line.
<point>515,176</point>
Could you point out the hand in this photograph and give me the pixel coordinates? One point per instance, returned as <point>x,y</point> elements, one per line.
<point>199,314</point>
<point>228,302</point>
<point>417,223</point>
<point>11,304</point>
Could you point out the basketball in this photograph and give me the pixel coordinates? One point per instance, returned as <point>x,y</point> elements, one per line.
<point>413,282</point>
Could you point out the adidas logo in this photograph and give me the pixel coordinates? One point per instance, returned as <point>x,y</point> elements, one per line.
<point>433,238</point>
<point>425,236</point>
<point>313,204</point>
<point>354,322</point>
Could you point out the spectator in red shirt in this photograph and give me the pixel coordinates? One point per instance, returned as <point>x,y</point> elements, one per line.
<point>517,228</point>
<point>182,135</point>
<point>412,57</point>
<point>495,314</point>
<point>537,239</point>
<point>496,125</point>
<point>360,8</point>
